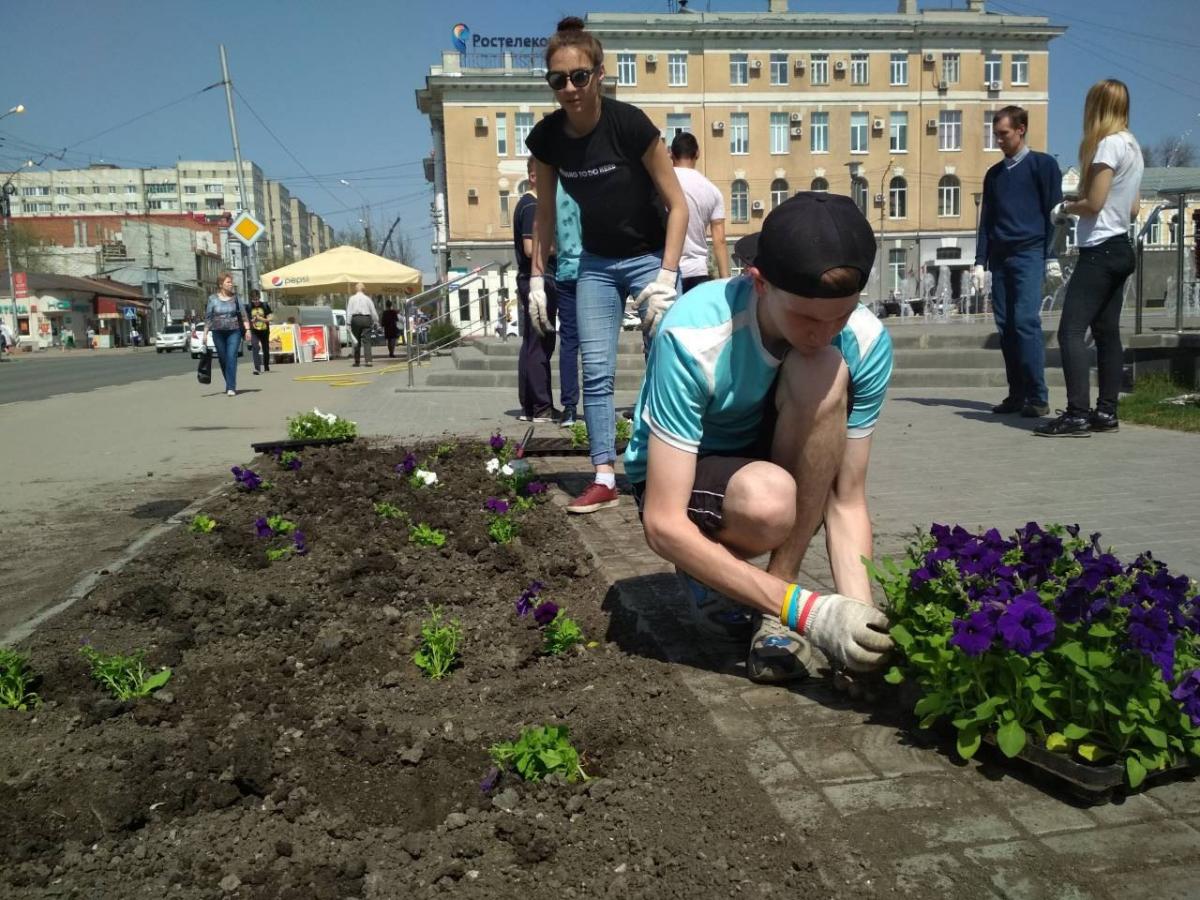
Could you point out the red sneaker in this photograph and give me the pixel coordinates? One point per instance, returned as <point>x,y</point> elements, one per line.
<point>597,496</point>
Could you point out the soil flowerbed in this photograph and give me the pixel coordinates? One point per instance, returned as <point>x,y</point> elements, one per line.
<point>297,752</point>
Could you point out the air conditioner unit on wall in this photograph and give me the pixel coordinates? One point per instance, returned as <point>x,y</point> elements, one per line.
<point>718,126</point>
<point>799,65</point>
<point>839,66</point>
<point>651,59</point>
<point>929,58</point>
<point>756,64</point>
<point>931,124</point>
<point>879,199</point>
<point>481,121</point>
<point>877,124</point>
<point>796,117</point>
<point>757,206</point>
<point>993,85</point>
<point>472,193</point>
<point>942,86</point>
<point>797,131</point>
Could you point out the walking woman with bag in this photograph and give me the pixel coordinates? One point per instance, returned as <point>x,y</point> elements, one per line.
<point>260,332</point>
<point>225,316</point>
<point>1109,196</point>
<point>613,163</point>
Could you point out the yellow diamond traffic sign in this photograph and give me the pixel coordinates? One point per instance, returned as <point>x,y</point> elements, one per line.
<point>246,228</point>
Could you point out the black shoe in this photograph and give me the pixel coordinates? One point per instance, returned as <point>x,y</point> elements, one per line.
<point>1100,421</point>
<point>1008,407</point>
<point>1034,410</point>
<point>1068,424</point>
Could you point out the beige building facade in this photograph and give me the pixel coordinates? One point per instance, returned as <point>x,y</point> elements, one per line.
<point>892,110</point>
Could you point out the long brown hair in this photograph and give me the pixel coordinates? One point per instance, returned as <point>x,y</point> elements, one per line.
<point>570,32</point>
<point>1105,112</point>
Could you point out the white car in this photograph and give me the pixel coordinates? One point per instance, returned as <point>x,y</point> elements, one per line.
<point>194,342</point>
<point>173,337</point>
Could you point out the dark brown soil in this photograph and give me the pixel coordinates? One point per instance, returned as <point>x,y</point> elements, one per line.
<point>298,753</point>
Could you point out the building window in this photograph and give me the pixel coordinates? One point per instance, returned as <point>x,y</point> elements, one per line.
<point>626,69</point>
<point>677,123</point>
<point>739,68</point>
<point>112,189</point>
<point>819,132</point>
<point>165,187</point>
<point>187,189</point>
<point>899,68</point>
<point>858,131</point>
<point>739,201</point>
<point>211,203</point>
<point>898,132</point>
<point>739,133</point>
<point>505,214</point>
<point>989,136</point>
<point>897,265</point>
<point>950,129</point>
<point>860,68</point>
<point>64,207</point>
<point>522,187</point>
<point>190,205</point>
<point>897,198</point>
<point>1172,228</point>
<point>779,132</point>
<point>819,186</point>
<point>860,193</point>
<point>208,189</point>
<point>779,68</point>
<point>993,65</point>
<point>62,189</point>
<point>157,204</point>
<point>522,125</point>
<point>950,68</point>
<point>95,190</point>
<point>501,134</point>
<point>949,197</point>
<point>1155,234</point>
<point>820,68</point>
<point>1020,68</point>
<point>677,70</point>
<point>779,191</point>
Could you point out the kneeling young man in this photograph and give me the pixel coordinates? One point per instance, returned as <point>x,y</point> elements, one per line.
<point>754,425</point>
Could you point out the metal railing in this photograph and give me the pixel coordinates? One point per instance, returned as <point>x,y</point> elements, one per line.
<point>416,351</point>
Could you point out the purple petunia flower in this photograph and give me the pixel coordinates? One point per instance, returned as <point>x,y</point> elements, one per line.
<point>298,543</point>
<point>497,441</point>
<point>535,487</point>
<point>974,634</point>
<point>1150,634</point>
<point>408,466</point>
<point>1187,694</point>
<point>490,780</point>
<point>545,612</point>
<point>496,505</point>
<point>1026,626</point>
<point>294,464</point>
<point>262,528</point>
<point>525,601</point>
<point>247,479</point>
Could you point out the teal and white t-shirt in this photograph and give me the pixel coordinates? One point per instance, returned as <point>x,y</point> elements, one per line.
<point>709,374</point>
<point>568,236</point>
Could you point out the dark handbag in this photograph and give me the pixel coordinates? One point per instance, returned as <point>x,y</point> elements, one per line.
<point>204,369</point>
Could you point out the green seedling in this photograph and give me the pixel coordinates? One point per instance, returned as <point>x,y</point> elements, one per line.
<point>386,510</point>
<point>561,634</point>
<point>439,645</point>
<point>539,752</point>
<point>15,681</point>
<point>280,525</point>
<point>125,676</point>
<point>278,554</point>
<point>202,524</point>
<point>579,434</point>
<point>426,535</point>
<point>502,529</point>
<point>444,450</point>
<point>289,459</point>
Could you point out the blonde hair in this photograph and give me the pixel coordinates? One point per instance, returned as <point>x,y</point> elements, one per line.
<point>1105,112</point>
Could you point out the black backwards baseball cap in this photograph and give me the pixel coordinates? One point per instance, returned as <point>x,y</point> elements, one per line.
<point>806,236</point>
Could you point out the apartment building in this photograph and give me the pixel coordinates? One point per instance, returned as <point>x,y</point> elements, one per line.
<point>204,188</point>
<point>893,110</point>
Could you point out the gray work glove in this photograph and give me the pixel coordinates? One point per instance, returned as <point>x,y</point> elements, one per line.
<point>851,633</point>
<point>538,313</point>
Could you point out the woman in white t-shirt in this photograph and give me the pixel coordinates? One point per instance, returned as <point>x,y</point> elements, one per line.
<point>1109,195</point>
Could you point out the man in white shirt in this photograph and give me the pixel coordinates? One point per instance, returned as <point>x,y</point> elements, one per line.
<point>706,209</point>
<point>363,317</point>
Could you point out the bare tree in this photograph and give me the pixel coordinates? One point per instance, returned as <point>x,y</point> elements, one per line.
<point>1173,152</point>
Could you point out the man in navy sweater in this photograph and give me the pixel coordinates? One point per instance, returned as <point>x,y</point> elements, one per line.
<point>1016,244</point>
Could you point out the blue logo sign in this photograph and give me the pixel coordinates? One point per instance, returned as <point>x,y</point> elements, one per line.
<point>460,34</point>
<point>130,312</point>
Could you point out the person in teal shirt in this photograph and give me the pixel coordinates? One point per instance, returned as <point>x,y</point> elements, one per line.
<point>568,238</point>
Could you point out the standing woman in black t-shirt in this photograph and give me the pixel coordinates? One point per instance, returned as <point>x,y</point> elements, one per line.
<point>615,166</point>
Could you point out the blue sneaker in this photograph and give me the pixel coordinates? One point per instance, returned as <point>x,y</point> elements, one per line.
<point>779,655</point>
<point>715,616</point>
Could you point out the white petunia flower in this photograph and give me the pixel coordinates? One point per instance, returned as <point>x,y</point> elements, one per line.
<point>493,466</point>
<point>427,477</point>
<point>506,469</point>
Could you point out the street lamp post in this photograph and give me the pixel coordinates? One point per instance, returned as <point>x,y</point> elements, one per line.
<point>366,213</point>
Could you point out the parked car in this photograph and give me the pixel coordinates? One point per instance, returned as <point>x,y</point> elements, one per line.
<point>345,338</point>
<point>173,337</point>
<point>194,342</point>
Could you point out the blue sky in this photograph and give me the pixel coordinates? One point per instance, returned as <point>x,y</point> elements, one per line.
<point>335,82</point>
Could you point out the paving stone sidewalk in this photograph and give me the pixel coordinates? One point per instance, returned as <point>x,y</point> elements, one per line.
<point>892,809</point>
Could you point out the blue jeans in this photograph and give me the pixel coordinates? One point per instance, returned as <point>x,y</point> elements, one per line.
<point>1016,306</point>
<point>227,344</point>
<point>600,296</point>
<point>568,345</point>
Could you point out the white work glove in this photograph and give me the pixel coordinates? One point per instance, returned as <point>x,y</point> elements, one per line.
<point>1059,215</point>
<point>658,296</point>
<point>538,313</point>
<point>850,633</point>
<point>1053,270</point>
<point>978,275</point>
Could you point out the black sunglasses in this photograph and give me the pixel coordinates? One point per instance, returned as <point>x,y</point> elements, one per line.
<point>578,77</point>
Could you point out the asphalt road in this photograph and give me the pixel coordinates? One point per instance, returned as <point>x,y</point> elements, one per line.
<point>36,378</point>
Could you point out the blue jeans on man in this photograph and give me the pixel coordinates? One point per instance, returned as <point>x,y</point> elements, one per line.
<point>568,346</point>
<point>227,344</point>
<point>1017,306</point>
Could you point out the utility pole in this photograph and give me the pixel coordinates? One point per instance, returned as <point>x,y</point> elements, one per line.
<point>250,272</point>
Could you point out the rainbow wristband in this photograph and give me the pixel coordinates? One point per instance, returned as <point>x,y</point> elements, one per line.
<point>797,607</point>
